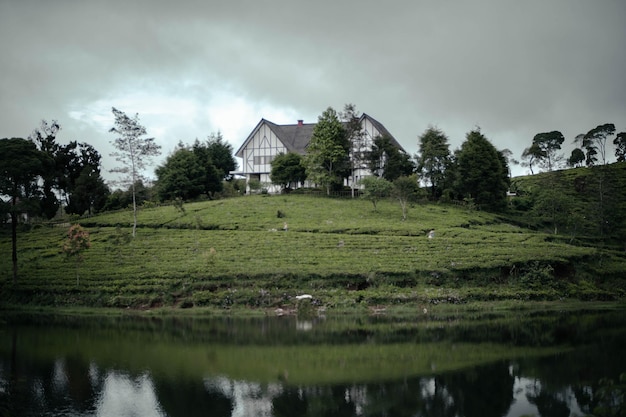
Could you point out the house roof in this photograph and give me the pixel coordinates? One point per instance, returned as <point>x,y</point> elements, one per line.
<point>382,130</point>
<point>296,137</point>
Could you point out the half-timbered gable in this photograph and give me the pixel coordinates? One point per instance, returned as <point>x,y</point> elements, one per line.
<point>268,139</point>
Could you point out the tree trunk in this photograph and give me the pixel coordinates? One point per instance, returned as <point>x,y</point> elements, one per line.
<point>14,243</point>
<point>14,237</point>
<point>134,210</point>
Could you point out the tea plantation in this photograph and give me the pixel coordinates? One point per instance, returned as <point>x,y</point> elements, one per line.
<point>234,253</point>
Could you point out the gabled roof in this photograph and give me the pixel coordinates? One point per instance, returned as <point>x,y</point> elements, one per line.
<point>296,137</point>
<point>382,130</point>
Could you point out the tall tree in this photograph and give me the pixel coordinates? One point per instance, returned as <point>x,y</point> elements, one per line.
<point>181,176</point>
<point>548,143</point>
<point>45,139</point>
<point>221,154</point>
<point>482,172</point>
<point>531,156</point>
<point>216,160</point>
<point>433,159</point>
<point>510,160</point>
<point>597,137</point>
<point>620,146</point>
<point>358,140</point>
<point>21,164</point>
<point>80,178</point>
<point>386,160</point>
<point>89,192</point>
<point>133,152</point>
<point>287,170</point>
<point>327,160</point>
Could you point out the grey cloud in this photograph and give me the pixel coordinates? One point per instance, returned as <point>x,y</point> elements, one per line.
<point>513,68</point>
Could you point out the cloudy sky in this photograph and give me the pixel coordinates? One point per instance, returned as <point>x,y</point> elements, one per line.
<point>190,68</point>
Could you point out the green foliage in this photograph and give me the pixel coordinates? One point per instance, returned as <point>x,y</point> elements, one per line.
<point>611,397</point>
<point>595,141</point>
<point>181,176</point>
<point>582,202</point>
<point>544,148</point>
<point>77,242</point>
<point>482,173</point>
<point>216,158</point>
<point>222,253</point>
<point>220,153</point>
<point>133,152</point>
<point>405,189</point>
<point>21,164</point>
<point>620,146</point>
<point>327,159</point>
<point>288,170</point>
<point>434,159</point>
<point>45,139</point>
<point>387,160</point>
<point>375,189</point>
<point>577,158</point>
<point>536,275</point>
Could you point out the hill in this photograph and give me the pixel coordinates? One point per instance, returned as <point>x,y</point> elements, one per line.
<point>234,253</point>
<point>582,203</point>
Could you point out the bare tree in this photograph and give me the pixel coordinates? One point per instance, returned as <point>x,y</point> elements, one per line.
<point>133,152</point>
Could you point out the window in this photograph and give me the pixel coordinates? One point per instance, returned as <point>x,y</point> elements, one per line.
<point>263,160</point>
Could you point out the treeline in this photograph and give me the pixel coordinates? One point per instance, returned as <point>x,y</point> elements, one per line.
<point>40,176</point>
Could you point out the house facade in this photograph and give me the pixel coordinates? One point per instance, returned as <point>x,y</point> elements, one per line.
<point>269,139</point>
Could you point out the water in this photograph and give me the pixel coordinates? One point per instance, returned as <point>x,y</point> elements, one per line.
<point>525,364</point>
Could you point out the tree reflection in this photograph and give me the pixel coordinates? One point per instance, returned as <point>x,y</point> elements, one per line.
<point>196,401</point>
<point>485,391</point>
<point>292,402</point>
<point>549,404</point>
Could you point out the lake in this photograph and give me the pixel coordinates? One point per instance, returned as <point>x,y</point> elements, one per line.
<point>527,363</point>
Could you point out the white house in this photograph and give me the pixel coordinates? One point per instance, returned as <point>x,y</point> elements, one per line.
<point>268,139</point>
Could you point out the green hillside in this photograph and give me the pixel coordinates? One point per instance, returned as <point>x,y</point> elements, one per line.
<point>234,253</point>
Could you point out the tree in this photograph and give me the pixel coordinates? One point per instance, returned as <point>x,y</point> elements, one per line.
<point>620,146</point>
<point>133,152</point>
<point>221,154</point>
<point>80,179</point>
<point>21,164</point>
<point>375,189</point>
<point>327,159</point>
<point>45,139</point>
<point>545,147</point>
<point>89,192</point>
<point>596,139</point>
<point>77,242</point>
<point>388,161</point>
<point>405,189</point>
<point>181,176</point>
<point>508,155</point>
<point>357,137</point>
<point>216,157</point>
<point>552,202</point>
<point>433,159</point>
<point>287,170</point>
<point>576,158</point>
<point>531,155</point>
<point>482,172</point>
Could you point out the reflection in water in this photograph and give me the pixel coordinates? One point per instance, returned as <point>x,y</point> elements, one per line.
<point>158,374</point>
<point>122,396</point>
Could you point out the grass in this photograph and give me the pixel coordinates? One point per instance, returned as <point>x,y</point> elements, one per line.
<point>233,253</point>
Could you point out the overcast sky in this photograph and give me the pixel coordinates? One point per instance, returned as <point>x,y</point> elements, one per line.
<point>189,68</point>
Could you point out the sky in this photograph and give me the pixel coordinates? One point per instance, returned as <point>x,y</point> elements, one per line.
<point>191,68</point>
